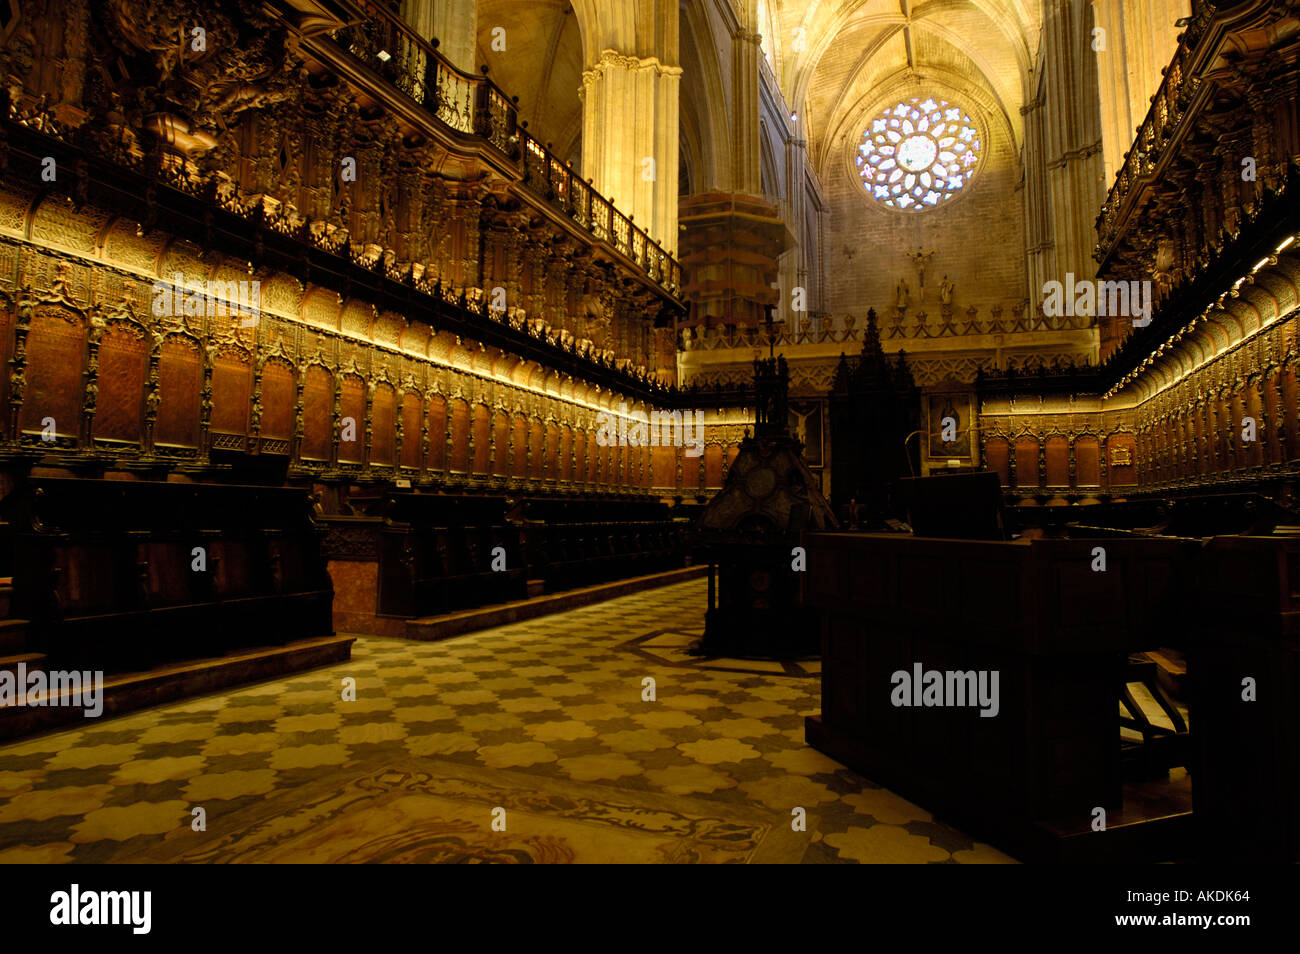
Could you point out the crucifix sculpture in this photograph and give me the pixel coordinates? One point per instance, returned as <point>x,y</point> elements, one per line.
<point>919,259</point>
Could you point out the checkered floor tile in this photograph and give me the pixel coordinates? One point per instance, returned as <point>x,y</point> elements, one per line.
<point>559,697</point>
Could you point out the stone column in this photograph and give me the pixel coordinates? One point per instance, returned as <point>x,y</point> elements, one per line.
<point>1140,39</point>
<point>630,132</point>
<point>746,174</point>
<point>794,264</point>
<point>1063,135</point>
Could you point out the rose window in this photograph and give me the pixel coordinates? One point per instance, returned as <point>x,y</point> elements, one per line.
<point>918,154</point>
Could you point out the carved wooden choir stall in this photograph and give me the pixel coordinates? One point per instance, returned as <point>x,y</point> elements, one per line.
<point>438,553</point>
<point>168,588</point>
<point>874,410</point>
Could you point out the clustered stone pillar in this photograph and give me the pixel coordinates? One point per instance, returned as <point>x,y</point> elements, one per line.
<point>630,139</point>
<point>1139,39</point>
<point>1064,175</point>
<point>746,174</point>
<point>733,237</point>
<point>795,266</point>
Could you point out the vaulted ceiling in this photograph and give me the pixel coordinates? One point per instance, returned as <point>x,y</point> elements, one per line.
<point>542,64</point>
<point>836,59</point>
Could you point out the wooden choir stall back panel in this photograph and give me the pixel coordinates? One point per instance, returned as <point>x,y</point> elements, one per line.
<point>124,575</point>
<point>1056,632</point>
<point>1246,700</point>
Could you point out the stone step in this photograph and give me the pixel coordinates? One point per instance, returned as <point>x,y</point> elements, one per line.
<point>126,692</point>
<point>10,663</point>
<point>13,636</point>
<point>431,628</point>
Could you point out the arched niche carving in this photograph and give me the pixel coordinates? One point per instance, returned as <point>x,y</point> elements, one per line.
<point>1087,461</point>
<point>232,392</point>
<point>317,413</point>
<point>180,382</point>
<point>713,466</point>
<point>320,309</point>
<point>482,438</point>
<point>565,470</point>
<point>352,408</point>
<point>278,400</point>
<point>1057,456</point>
<point>411,427</point>
<point>436,458</point>
<point>123,370</point>
<point>997,458</point>
<point>383,414</point>
<point>460,430</point>
<point>53,386</point>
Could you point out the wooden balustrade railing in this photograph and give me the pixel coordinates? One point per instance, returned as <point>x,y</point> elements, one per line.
<point>1167,111</point>
<point>476,106</point>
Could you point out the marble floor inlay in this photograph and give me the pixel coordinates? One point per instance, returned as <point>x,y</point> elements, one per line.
<point>533,742</point>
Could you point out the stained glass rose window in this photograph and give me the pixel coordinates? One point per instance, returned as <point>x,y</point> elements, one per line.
<point>918,154</point>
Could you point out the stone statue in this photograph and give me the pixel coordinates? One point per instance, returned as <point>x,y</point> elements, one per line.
<point>945,291</point>
<point>902,292</point>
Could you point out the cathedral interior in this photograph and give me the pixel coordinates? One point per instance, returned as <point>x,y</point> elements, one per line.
<point>462,430</point>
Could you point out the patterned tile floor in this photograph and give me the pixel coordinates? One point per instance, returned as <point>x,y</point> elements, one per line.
<point>557,699</point>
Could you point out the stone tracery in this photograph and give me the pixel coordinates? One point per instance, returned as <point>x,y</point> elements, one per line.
<point>918,154</point>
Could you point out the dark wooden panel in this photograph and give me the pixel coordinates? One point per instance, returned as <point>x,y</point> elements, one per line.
<point>1087,462</point>
<point>382,411</point>
<point>501,433</point>
<point>1249,744</point>
<point>1055,631</point>
<point>277,401</point>
<point>459,437</point>
<point>317,417</point>
<point>1058,461</point>
<point>411,430</point>
<point>664,460</point>
<point>56,357</point>
<point>353,404</point>
<point>713,465</point>
<point>566,453</point>
<point>122,575</point>
<point>520,464</point>
<point>123,366</point>
<point>997,453</point>
<point>538,438</point>
<point>232,388</point>
<point>180,376</point>
<point>6,352</point>
<point>1027,463</point>
<point>1119,446</point>
<point>437,459</point>
<point>482,439</point>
